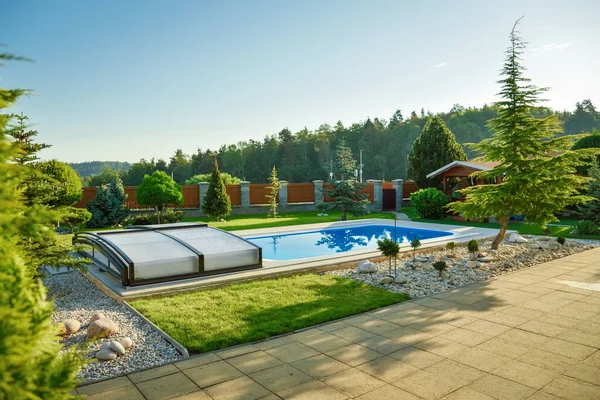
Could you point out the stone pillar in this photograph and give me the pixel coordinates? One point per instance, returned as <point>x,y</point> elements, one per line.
<point>203,188</point>
<point>245,194</point>
<point>318,188</point>
<point>398,186</point>
<point>377,195</point>
<point>283,194</point>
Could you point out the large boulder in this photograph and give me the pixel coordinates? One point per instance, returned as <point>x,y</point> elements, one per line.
<point>366,267</point>
<point>71,326</point>
<point>101,328</point>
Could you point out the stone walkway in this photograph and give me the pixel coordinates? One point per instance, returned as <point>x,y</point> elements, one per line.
<point>533,334</point>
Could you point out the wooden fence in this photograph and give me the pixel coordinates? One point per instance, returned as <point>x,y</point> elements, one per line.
<point>408,188</point>
<point>235,194</point>
<point>301,193</point>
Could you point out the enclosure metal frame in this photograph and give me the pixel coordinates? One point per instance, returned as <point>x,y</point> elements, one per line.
<point>126,266</point>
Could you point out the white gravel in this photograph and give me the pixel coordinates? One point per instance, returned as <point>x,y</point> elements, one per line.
<point>77,298</point>
<point>425,280</point>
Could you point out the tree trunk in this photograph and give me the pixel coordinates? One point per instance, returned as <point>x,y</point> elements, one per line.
<point>343,215</point>
<point>500,237</point>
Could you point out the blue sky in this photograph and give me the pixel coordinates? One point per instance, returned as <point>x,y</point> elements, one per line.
<point>121,80</point>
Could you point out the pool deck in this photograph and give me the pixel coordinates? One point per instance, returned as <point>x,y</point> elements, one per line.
<point>532,334</point>
<point>276,268</point>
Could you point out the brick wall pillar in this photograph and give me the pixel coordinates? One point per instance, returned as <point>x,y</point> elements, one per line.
<point>318,188</point>
<point>399,186</point>
<point>245,194</point>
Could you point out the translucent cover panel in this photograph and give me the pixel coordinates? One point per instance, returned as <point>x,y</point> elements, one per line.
<point>155,255</point>
<point>221,250</point>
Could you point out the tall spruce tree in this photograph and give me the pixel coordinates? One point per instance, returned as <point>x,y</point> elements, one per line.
<point>216,202</point>
<point>108,208</point>
<point>24,143</point>
<point>30,364</point>
<point>434,148</point>
<point>345,191</point>
<point>536,168</point>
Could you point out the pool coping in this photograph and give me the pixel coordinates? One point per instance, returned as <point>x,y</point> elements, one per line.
<point>272,269</point>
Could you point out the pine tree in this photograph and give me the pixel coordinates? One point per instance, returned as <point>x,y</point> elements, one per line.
<point>537,168</point>
<point>434,148</point>
<point>273,188</point>
<point>216,203</point>
<point>591,211</point>
<point>27,149</point>
<point>30,366</point>
<point>346,192</point>
<point>108,207</point>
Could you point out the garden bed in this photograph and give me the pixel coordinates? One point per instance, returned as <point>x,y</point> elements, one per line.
<point>75,297</point>
<point>424,280</point>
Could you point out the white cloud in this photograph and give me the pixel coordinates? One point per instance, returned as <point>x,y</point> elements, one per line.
<point>443,64</point>
<point>538,51</point>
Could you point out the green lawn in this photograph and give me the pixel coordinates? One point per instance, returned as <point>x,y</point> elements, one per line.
<point>207,320</point>
<point>239,222</point>
<point>523,228</point>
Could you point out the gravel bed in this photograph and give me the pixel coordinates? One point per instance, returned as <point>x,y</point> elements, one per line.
<point>424,280</point>
<point>77,298</point>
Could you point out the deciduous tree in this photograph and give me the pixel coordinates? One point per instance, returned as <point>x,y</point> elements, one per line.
<point>158,190</point>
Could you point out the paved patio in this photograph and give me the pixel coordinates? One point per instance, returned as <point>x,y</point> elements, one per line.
<point>533,334</point>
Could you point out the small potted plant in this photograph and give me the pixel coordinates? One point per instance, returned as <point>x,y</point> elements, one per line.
<point>450,246</point>
<point>473,248</point>
<point>389,248</point>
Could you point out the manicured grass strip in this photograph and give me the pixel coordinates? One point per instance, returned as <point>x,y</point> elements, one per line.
<point>213,319</point>
<point>524,228</point>
<point>239,222</point>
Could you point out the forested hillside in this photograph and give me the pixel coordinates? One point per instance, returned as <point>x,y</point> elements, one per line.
<point>306,155</point>
<point>90,168</point>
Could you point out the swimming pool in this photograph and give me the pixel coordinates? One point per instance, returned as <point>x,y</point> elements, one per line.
<point>331,241</point>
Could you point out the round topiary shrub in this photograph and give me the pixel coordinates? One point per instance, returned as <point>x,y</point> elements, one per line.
<point>429,203</point>
<point>561,240</point>
<point>473,246</point>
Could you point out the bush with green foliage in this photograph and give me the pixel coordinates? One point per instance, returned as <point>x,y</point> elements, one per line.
<point>440,266</point>
<point>216,202</point>
<point>561,240</point>
<point>158,190</point>
<point>434,148</point>
<point>30,364</point>
<point>591,210</point>
<point>588,142</point>
<point>429,203</point>
<point>108,207</point>
<point>390,249</point>
<point>587,227</point>
<point>472,246</point>
<point>451,246</point>
<point>168,217</point>
<point>75,217</point>
<point>53,184</point>
<point>228,179</point>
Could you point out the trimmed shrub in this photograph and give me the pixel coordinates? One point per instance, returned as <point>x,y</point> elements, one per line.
<point>587,227</point>
<point>440,266</point>
<point>473,246</point>
<point>429,203</point>
<point>168,217</point>
<point>561,240</point>
<point>415,243</point>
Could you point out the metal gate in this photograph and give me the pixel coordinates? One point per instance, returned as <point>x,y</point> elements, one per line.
<point>389,199</point>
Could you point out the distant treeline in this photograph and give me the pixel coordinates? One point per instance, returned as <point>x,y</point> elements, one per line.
<point>90,168</point>
<point>306,155</point>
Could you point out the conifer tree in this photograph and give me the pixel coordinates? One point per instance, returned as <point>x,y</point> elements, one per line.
<point>434,148</point>
<point>345,191</point>
<point>158,190</point>
<point>27,149</point>
<point>273,189</point>
<point>30,366</point>
<point>536,168</point>
<point>108,207</point>
<point>216,202</point>
<point>591,210</point>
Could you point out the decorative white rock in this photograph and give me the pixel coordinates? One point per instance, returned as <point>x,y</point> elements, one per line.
<point>473,264</point>
<point>105,345</point>
<point>106,355</point>
<point>366,267</point>
<point>117,347</point>
<point>126,342</point>
<point>514,238</point>
<point>422,259</point>
<point>401,279</point>
<point>486,259</point>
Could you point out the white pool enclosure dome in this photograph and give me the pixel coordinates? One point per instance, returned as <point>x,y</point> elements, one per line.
<point>146,254</point>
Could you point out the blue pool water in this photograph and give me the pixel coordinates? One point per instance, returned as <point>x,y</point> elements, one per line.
<point>335,240</point>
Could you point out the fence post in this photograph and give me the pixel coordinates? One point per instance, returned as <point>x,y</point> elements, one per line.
<point>245,194</point>
<point>283,194</point>
<point>202,189</point>
<point>399,187</point>
<point>318,188</point>
<point>377,195</point>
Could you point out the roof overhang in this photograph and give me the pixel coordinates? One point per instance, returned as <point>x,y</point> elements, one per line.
<point>453,164</point>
